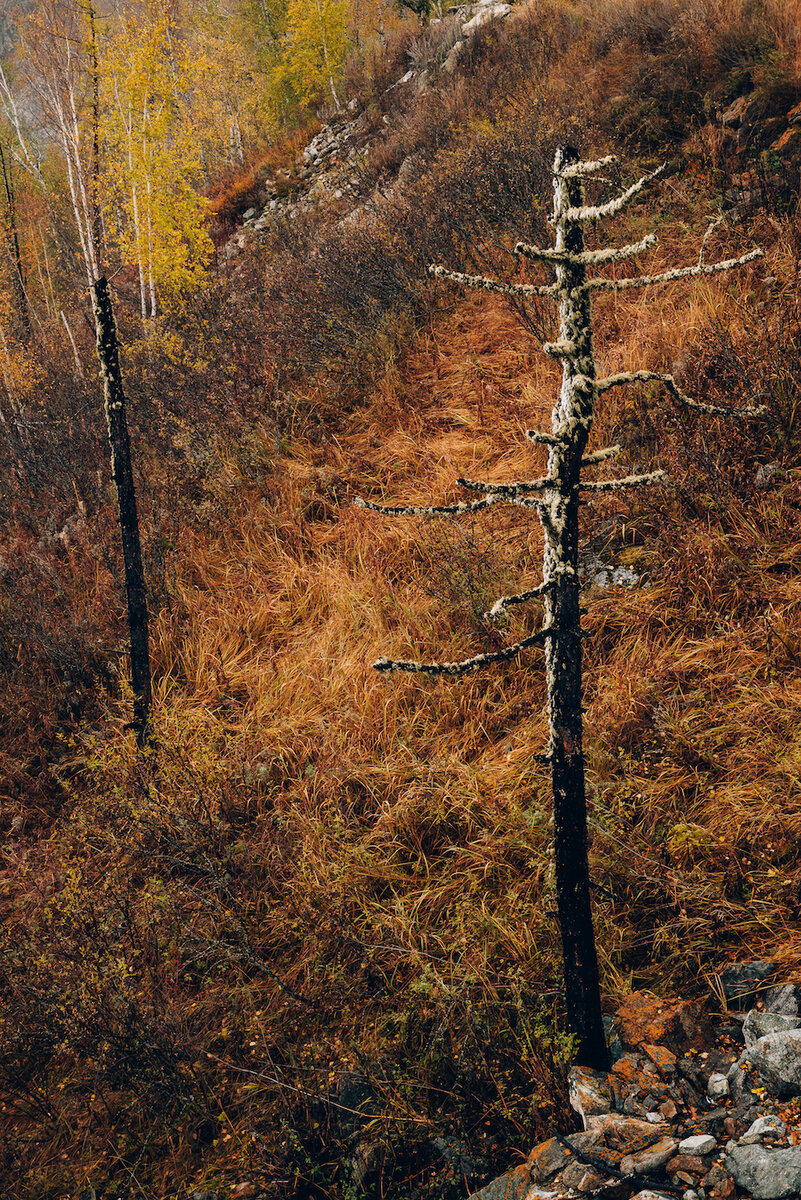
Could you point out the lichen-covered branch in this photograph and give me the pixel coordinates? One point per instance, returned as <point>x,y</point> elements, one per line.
<point>599,456</point>
<point>467,664</point>
<point>713,410</point>
<point>609,209</point>
<point>626,481</point>
<point>579,169</point>
<point>428,510</point>
<point>641,281</point>
<point>504,602</point>
<point>544,439</point>
<point>587,258</point>
<point>521,290</point>
<point>523,487</point>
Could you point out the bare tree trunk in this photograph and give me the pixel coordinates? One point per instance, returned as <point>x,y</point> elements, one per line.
<point>108,354</point>
<point>562,618</point>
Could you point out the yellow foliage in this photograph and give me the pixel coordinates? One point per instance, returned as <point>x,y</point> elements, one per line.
<point>156,213</point>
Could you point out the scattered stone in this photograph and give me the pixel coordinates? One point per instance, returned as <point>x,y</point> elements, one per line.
<point>768,1126</point>
<point>742,1085</point>
<point>548,1158</point>
<point>765,1173</point>
<point>689,1166</point>
<point>663,1059</point>
<point>647,1019</point>
<point>649,1116</point>
<point>514,1185</point>
<point>709,1124</point>
<point>785,999</point>
<point>718,1086</point>
<point>580,1176</point>
<point>654,1156</point>
<point>618,1130</point>
<point>589,1092</point>
<point>698,1145</point>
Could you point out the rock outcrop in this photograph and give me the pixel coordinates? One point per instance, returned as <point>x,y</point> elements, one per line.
<point>693,1107</point>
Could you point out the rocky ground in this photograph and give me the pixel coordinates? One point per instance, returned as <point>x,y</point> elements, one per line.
<point>700,1107</point>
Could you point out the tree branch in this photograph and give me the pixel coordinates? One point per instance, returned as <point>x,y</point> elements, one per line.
<point>576,170</point>
<point>467,664</point>
<point>669,382</point>
<point>587,258</point>
<point>545,439</point>
<point>612,206</point>
<point>627,481</point>
<point>622,285</point>
<point>509,489</point>
<point>505,602</point>
<point>598,456</point>
<point>427,510</point>
<point>492,285</point>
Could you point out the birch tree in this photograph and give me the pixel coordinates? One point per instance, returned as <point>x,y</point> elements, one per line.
<point>56,77</point>
<point>556,497</point>
<point>314,48</point>
<point>153,159</point>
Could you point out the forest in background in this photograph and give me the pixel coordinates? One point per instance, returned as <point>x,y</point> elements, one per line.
<point>308,944</point>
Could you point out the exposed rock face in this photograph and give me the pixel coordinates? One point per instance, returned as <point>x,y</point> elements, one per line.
<point>665,1122</point>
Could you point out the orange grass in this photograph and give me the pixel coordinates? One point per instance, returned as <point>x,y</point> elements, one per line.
<point>320,871</point>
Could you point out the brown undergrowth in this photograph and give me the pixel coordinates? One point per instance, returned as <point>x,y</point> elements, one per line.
<point>309,941</point>
<point>323,886</point>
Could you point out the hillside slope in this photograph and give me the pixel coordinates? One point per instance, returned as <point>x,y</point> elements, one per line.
<point>308,945</point>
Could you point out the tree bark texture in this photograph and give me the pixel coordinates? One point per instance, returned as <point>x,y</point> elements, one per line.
<point>122,472</point>
<point>571,423</point>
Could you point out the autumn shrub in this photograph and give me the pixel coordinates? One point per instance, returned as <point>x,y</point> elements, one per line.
<point>659,66</point>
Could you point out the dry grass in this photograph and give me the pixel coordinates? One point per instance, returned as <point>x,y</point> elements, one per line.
<point>321,874</point>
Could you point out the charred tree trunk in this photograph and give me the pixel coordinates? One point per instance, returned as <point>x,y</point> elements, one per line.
<point>121,470</point>
<point>572,420</point>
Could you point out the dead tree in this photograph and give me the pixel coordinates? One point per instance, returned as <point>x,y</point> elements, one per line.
<point>122,472</point>
<point>556,497</point>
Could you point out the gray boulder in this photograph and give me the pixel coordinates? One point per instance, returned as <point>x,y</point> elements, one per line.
<point>785,999</point>
<point>759,1024</point>
<point>740,981</point>
<point>777,1058</point>
<point>766,1174</point>
<point>769,1126</point>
